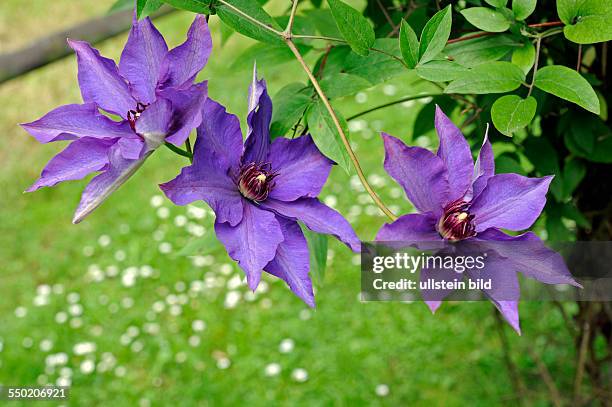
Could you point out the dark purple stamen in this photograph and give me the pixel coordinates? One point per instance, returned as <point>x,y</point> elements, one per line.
<point>133,115</point>
<point>456,223</point>
<point>255,181</point>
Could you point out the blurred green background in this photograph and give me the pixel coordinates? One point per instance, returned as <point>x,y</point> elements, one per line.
<point>112,308</point>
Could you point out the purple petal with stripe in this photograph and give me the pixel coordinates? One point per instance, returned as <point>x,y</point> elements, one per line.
<point>455,151</point>
<point>142,58</point>
<point>510,201</point>
<point>100,80</point>
<point>69,122</point>
<point>253,242</point>
<point>79,159</point>
<point>483,169</point>
<point>317,217</point>
<point>302,169</point>
<point>257,144</point>
<point>292,261</point>
<point>187,106</point>
<point>421,173</point>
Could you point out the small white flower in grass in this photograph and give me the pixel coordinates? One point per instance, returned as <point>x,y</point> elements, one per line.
<point>73,297</point>
<point>357,125</point>
<point>234,282</point>
<point>382,390</point>
<point>144,403</point>
<point>361,97</point>
<point>1,345</point>
<point>180,286</point>
<point>87,366</point>
<point>266,303</point>
<point>331,201</point>
<point>373,210</point>
<point>120,255</point>
<point>196,213</point>
<point>75,310</point>
<point>231,299</point>
<point>104,240</point>
<point>132,331</point>
<point>137,346</point>
<point>176,310</point>
<point>63,382</point>
<point>263,287</point>
<point>272,369</point>
<point>394,208</point>
<point>250,296</point>
<point>65,372</point>
<point>165,247</point>
<point>120,371</point>
<point>423,141</point>
<point>21,312</point>
<point>124,228</point>
<point>396,193</point>
<point>299,375</point>
<point>194,341</point>
<point>223,363</point>
<point>226,269</point>
<point>58,289</point>
<point>408,104</point>
<point>198,325</point>
<point>389,90</point>
<point>96,330</point>
<point>195,229</point>
<point>286,345</point>
<point>157,201</point>
<point>125,339</point>
<point>42,380</point>
<point>158,235</point>
<point>425,101</point>
<point>146,271</point>
<point>43,289</point>
<point>158,306</point>
<point>180,220</point>
<point>364,199</point>
<point>40,300</point>
<point>151,328</point>
<point>180,357</point>
<point>46,345</point>
<point>113,308</point>
<point>76,323</point>
<point>61,317</point>
<point>127,302</point>
<point>356,260</point>
<point>163,212</point>
<point>83,348</point>
<point>305,314</point>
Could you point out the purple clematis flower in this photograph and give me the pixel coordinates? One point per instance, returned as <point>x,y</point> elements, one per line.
<point>259,190</point>
<point>153,93</point>
<point>460,200</point>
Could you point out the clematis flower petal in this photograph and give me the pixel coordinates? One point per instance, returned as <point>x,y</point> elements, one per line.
<point>131,147</point>
<point>79,159</point>
<point>154,123</point>
<point>421,173</point>
<point>413,227</point>
<point>483,169</point>
<point>220,134</point>
<point>257,144</point>
<point>433,298</point>
<point>317,217</point>
<point>142,58</point>
<point>510,201</point>
<point>253,242</point>
<point>292,261</point>
<point>103,185</point>
<point>187,110</point>
<point>69,122</point>
<point>207,179</point>
<point>100,80</point>
<point>302,169</point>
<point>528,255</point>
<point>510,312</point>
<point>183,63</point>
<point>455,151</point>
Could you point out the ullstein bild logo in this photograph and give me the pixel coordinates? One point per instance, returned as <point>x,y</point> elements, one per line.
<point>468,271</point>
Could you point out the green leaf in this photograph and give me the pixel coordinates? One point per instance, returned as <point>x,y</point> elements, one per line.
<point>570,211</point>
<point>195,6</point>
<point>557,231</point>
<point>290,103</point>
<point>409,45</point>
<point>325,134</point>
<point>507,163</point>
<point>486,19</point>
<point>567,84</point>
<point>145,8</point>
<point>480,50</point>
<point>245,26</point>
<point>492,77</point>
<point>544,158</point>
<point>266,55</point>
<point>435,35</point>
<point>523,8</point>
<point>375,68</point>
<point>440,71</point>
<point>343,84</point>
<point>511,113</point>
<point>574,172</point>
<point>354,27</point>
<point>121,5</point>
<point>317,245</point>
<point>589,137</point>
<point>524,57</point>
<point>323,22</point>
<point>587,21</point>
<point>497,3</point>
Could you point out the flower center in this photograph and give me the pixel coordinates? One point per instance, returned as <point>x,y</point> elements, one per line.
<point>456,223</point>
<point>255,181</point>
<point>133,115</point>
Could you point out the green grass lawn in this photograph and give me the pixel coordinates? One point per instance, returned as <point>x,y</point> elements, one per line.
<point>111,307</point>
